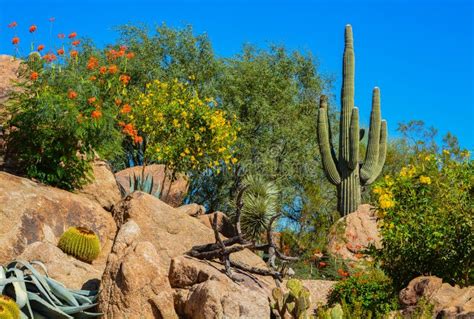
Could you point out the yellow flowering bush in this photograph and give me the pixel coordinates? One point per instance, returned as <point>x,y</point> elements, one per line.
<point>180,129</point>
<point>426,219</point>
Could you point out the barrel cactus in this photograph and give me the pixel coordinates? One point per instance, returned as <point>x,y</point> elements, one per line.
<point>81,243</point>
<point>8,308</point>
<point>344,169</point>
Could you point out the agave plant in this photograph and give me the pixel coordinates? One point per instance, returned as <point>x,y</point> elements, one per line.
<point>39,296</point>
<point>259,205</point>
<point>143,184</point>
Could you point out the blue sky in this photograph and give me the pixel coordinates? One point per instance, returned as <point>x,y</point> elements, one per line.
<point>420,53</point>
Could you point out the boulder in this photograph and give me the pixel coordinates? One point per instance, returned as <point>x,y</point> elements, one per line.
<point>9,72</point>
<point>171,194</point>
<point>224,224</point>
<point>449,301</point>
<point>103,188</point>
<point>194,210</point>
<point>204,291</point>
<point>319,291</point>
<point>135,285</point>
<point>354,233</point>
<point>73,273</point>
<point>31,212</point>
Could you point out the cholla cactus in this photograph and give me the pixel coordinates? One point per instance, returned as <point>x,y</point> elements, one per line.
<point>344,170</point>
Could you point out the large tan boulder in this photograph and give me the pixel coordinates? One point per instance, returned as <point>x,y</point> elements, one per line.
<point>354,233</point>
<point>171,194</point>
<point>73,273</point>
<point>224,224</point>
<point>203,291</point>
<point>193,209</point>
<point>135,284</point>
<point>319,291</point>
<point>449,301</point>
<point>103,188</point>
<point>31,212</point>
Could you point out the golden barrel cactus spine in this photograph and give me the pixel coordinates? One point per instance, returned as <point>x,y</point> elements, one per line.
<point>81,243</point>
<point>8,308</point>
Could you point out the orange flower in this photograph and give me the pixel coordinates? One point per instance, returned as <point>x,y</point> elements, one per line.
<point>96,114</point>
<point>34,76</point>
<point>40,47</point>
<point>113,69</point>
<point>61,35</point>
<point>13,24</point>
<point>92,78</point>
<point>80,118</point>
<point>33,28</point>
<point>138,139</point>
<point>71,94</point>
<point>103,69</point>
<point>72,35</point>
<point>124,79</point>
<point>91,100</point>
<point>128,129</point>
<point>15,40</point>
<point>359,255</point>
<point>60,51</point>
<point>121,124</point>
<point>50,57</point>
<point>73,53</point>
<point>130,55</point>
<point>342,273</point>
<point>76,43</point>
<point>123,48</point>
<point>126,109</point>
<point>118,102</point>
<point>92,63</point>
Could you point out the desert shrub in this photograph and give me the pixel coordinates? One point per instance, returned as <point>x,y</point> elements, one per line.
<point>426,219</point>
<point>180,129</point>
<point>368,291</point>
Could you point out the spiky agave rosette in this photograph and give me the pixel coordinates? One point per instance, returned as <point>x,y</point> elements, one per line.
<point>81,243</point>
<point>38,296</point>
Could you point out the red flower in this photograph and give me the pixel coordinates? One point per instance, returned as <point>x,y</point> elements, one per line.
<point>138,139</point>
<point>15,40</point>
<point>71,94</point>
<point>34,76</point>
<point>92,63</point>
<point>123,48</point>
<point>61,35</point>
<point>60,52</point>
<point>124,79</point>
<point>72,35</point>
<point>33,28</point>
<point>113,69</point>
<point>91,100</point>
<point>322,264</point>
<point>13,24</point>
<point>103,70</point>
<point>126,109</point>
<point>130,55</point>
<point>73,53</point>
<point>121,124</point>
<point>75,43</point>
<point>96,114</point>
<point>50,57</point>
<point>40,47</point>
<point>118,102</point>
<point>342,273</point>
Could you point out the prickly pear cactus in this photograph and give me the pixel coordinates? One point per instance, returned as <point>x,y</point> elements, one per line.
<point>81,243</point>
<point>8,308</point>
<point>295,302</point>
<point>344,168</point>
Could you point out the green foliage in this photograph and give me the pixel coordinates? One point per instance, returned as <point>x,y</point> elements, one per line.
<point>80,243</point>
<point>39,296</point>
<point>426,219</point>
<point>144,184</point>
<point>345,170</point>
<point>8,308</point>
<point>370,290</point>
<point>295,302</point>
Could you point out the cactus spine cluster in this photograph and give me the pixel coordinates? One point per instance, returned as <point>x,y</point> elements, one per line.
<point>295,302</point>
<point>8,308</point>
<point>344,169</point>
<point>81,243</point>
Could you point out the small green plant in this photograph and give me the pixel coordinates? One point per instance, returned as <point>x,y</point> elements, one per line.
<point>39,296</point>
<point>371,291</point>
<point>81,243</point>
<point>8,308</point>
<point>425,219</point>
<point>144,184</point>
<point>295,302</point>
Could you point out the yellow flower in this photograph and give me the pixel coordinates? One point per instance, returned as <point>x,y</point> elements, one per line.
<point>425,180</point>
<point>234,160</point>
<point>386,201</point>
<point>377,190</point>
<point>446,152</point>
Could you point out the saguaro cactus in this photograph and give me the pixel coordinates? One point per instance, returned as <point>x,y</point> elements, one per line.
<point>344,170</point>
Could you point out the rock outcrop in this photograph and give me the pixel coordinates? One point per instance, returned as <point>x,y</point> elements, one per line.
<point>31,212</point>
<point>194,210</point>
<point>224,224</point>
<point>172,193</point>
<point>449,301</point>
<point>104,188</point>
<point>353,233</point>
